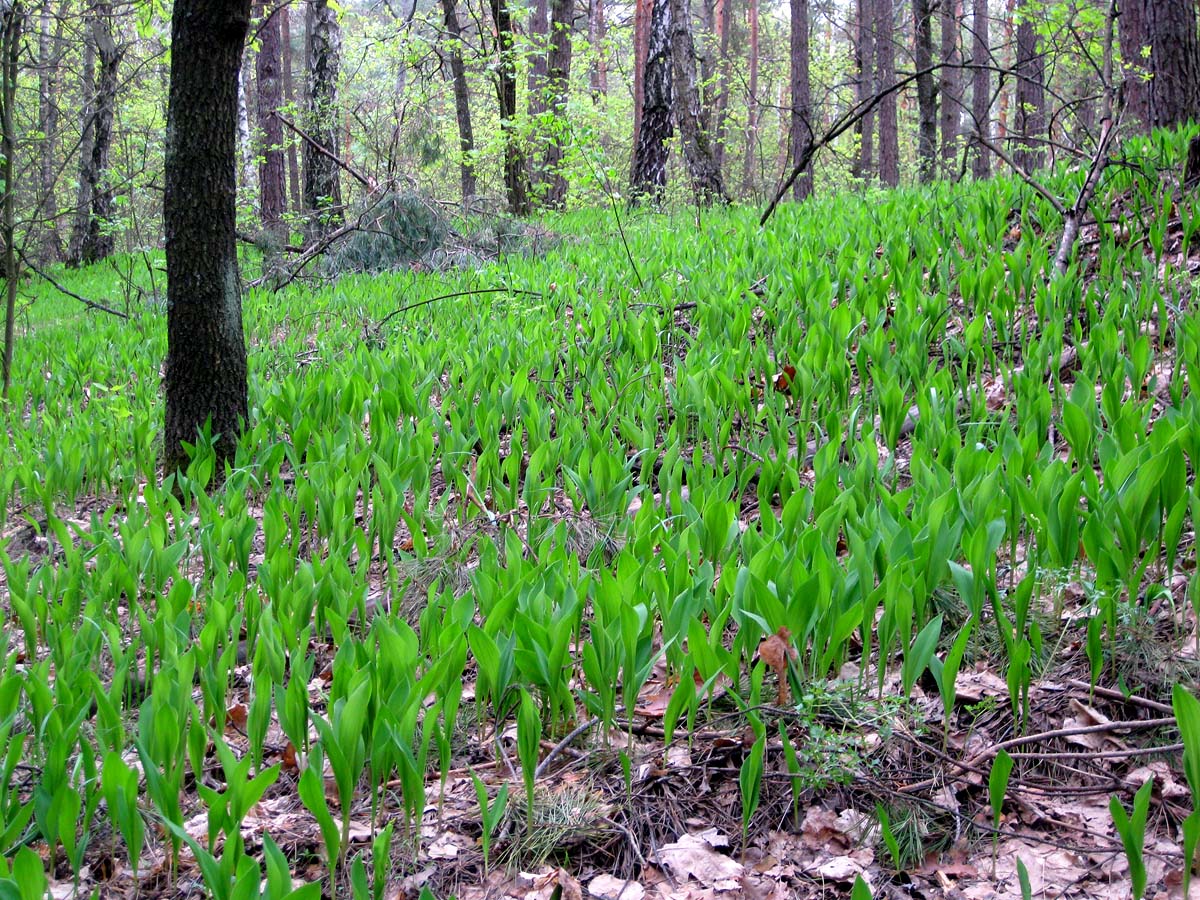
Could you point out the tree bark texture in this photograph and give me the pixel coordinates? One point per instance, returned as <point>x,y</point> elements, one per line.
<point>558,82</point>
<point>11,24</point>
<point>951,81</point>
<point>981,89</point>
<point>1174,61</point>
<point>1133,33</point>
<point>721,112</point>
<point>649,176</point>
<point>322,183</point>
<point>751,101</point>
<point>597,35</point>
<point>865,84</point>
<point>1031,92</point>
<point>800,134</point>
<point>289,99</point>
<point>889,131</point>
<point>697,149</point>
<point>91,240</point>
<point>927,121</point>
<point>272,170</point>
<point>506,93</point>
<point>643,13</point>
<point>462,100</point>
<point>206,352</point>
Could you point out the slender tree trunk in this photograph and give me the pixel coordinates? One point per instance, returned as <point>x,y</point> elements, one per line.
<point>539,30</point>
<point>926,91</point>
<point>865,86</point>
<point>247,177</point>
<point>889,133</point>
<point>649,176</point>
<point>462,101</point>
<point>981,91</point>
<point>558,82</point>
<point>506,93</point>
<point>801,133</point>
<point>597,35</point>
<point>87,141</point>
<point>272,178</point>
<point>322,180</point>
<point>11,22</point>
<point>289,99</point>
<point>1174,61</point>
<point>642,18</point>
<point>50,53</point>
<point>751,102</point>
<point>1031,95</point>
<point>721,113</point>
<point>697,150</point>
<point>950,83</point>
<point>206,352</point>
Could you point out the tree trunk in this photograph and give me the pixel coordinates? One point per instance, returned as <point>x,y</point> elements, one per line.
<point>597,35</point>
<point>50,54</point>
<point>981,91</point>
<point>926,91</point>
<point>272,178</point>
<point>206,352</point>
<point>889,132</point>
<point>462,101</point>
<point>322,183</point>
<point>642,15</point>
<point>87,141</point>
<point>801,133</point>
<point>721,112</point>
<point>92,238</point>
<point>506,93</point>
<point>649,176</point>
<point>248,176</point>
<point>1174,61</point>
<point>751,102</point>
<point>697,150</point>
<point>289,99</point>
<point>950,83</point>
<point>865,83</point>
<point>539,65</point>
<point>558,82</point>
<point>11,22</point>
<point>1031,93</point>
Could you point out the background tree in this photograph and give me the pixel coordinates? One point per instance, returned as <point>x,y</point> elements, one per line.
<point>981,86</point>
<point>558,85</point>
<point>950,81</point>
<point>697,151</point>
<point>801,133</point>
<point>1030,91</point>
<point>322,182</point>
<point>272,177</point>
<point>926,89</point>
<point>649,175</point>
<point>506,94</point>
<point>885,55</point>
<point>752,100</point>
<point>12,20</point>
<point>865,85</point>
<point>206,351</point>
<point>462,100</point>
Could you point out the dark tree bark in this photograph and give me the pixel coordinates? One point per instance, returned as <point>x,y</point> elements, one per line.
<point>597,34</point>
<point>865,84</point>
<point>1133,34</point>
<point>927,121</point>
<point>506,93</point>
<point>539,30</point>
<point>950,82</point>
<point>981,90</point>
<point>697,149</point>
<point>11,24</point>
<point>462,100</point>
<point>322,182</point>
<point>889,132</point>
<point>800,135</point>
<point>272,178</point>
<point>289,99</point>
<point>1174,61</point>
<point>1031,92</point>
<point>206,351</point>
<point>649,176</point>
<point>50,54</point>
<point>752,103</point>
<point>91,239</point>
<point>558,81</point>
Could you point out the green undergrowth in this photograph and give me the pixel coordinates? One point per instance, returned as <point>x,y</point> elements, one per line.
<point>654,445</point>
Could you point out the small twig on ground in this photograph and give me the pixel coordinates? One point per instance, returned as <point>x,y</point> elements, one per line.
<point>471,293</point>
<point>562,745</point>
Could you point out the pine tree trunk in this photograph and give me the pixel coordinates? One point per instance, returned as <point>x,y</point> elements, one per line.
<point>597,35</point>
<point>506,93</point>
<point>697,150</point>
<point>721,113</point>
<point>865,86</point>
<point>981,91</point>
<point>926,91</point>
<point>643,14</point>
<point>558,82</point>
<point>801,132</point>
<point>950,83</point>
<point>272,177</point>
<point>649,176</point>
<point>206,352</point>
<point>322,182</point>
<point>462,101</point>
<point>1174,61</point>
<point>1031,94</point>
<point>889,133</point>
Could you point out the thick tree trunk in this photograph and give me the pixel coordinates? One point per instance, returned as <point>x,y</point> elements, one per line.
<point>558,81</point>
<point>597,35</point>
<point>649,176</point>
<point>289,99</point>
<point>926,90</point>
<point>751,102</point>
<point>981,90</point>
<point>800,135</point>
<point>462,101</point>
<point>1174,61</point>
<point>865,85</point>
<point>950,83</point>
<point>697,150</point>
<point>322,182</point>
<point>889,132</point>
<point>206,352</point>
<point>272,177</point>
<point>506,93</point>
<point>1031,93</point>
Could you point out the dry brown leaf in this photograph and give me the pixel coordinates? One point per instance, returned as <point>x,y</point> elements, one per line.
<point>695,856</point>
<point>609,887</point>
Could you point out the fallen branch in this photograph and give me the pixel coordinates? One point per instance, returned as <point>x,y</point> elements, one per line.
<point>362,179</point>
<point>90,304</point>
